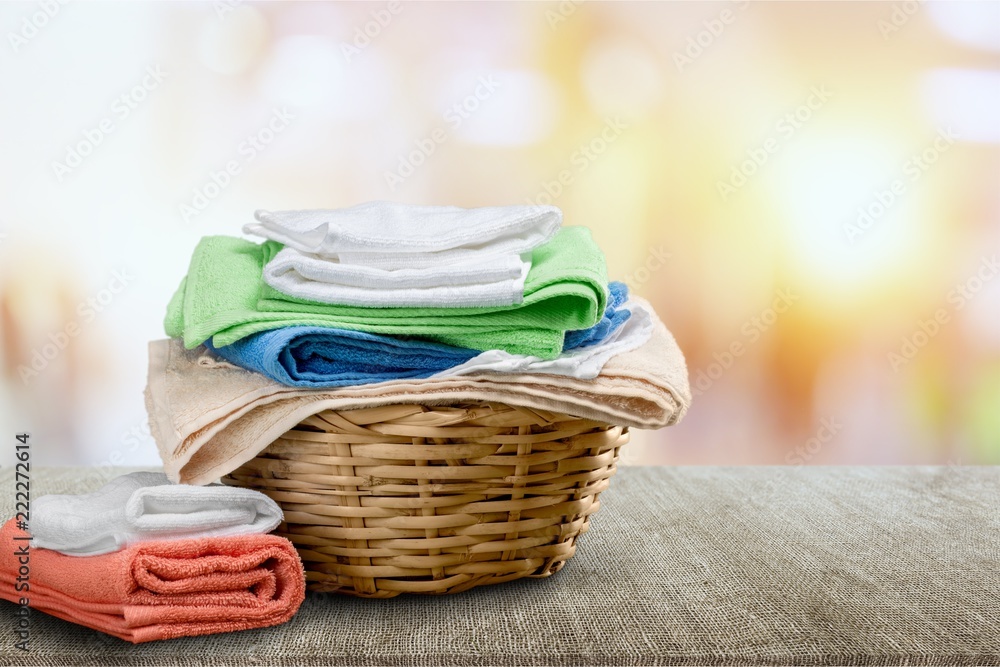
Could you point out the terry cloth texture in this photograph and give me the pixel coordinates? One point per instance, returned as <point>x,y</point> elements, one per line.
<point>146,506</point>
<point>311,277</point>
<point>326,270</point>
<point>614,317</point>
<point>746,566</point>
<point>326,357</point>
<point>208,419</point>
<point>322,357</point>
<point>225,298</point>
<point>584,363</point>
<point>393,236</point>
<point>162,589</point>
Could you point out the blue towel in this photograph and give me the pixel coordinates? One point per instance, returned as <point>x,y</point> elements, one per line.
<point>614,317</point>
<point>307,356</point>
<point>321,357</point>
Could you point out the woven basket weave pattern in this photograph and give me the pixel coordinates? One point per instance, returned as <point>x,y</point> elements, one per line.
<point>420,499</point>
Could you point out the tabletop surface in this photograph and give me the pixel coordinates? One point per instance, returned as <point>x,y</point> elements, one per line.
<point>682,566</point>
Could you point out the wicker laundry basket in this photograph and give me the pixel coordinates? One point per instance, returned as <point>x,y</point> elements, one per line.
<point>421,499</point>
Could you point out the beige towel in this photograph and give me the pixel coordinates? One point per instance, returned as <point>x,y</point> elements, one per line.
<point>209,417</point>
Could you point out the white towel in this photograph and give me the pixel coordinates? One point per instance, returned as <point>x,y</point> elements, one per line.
<point>507,292</point>
<point>584,363</point>
<point>314,267</point>
<point>496,281</point>
<point>145,506</point>
<point>393,236</point>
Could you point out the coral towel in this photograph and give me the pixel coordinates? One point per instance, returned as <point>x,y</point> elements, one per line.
<point>162,589</point>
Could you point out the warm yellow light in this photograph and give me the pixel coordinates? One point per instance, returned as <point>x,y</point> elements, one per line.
<point>852,207</point>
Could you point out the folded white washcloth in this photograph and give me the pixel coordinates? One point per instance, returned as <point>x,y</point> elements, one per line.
<point>144,506</point>
<point>584,363</point>
<point>445,286</point>
<point>393,236</point>
<point>320,269</point>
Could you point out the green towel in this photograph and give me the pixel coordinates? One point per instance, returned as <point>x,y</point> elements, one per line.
<point>225,298</point>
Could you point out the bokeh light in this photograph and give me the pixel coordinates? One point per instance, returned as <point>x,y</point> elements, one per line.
<point>839,161</point>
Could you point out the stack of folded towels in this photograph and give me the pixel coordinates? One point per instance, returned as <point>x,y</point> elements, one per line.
<point>143,559</point>
<point>337,309</point>
<point>384,303</point>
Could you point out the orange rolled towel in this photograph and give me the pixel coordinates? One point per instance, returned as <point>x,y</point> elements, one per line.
<point>160,589</point>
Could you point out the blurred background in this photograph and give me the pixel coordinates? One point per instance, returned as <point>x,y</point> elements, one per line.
<point>807,192</point>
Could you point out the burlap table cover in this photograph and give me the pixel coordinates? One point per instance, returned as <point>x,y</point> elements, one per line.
<point>682,566</point>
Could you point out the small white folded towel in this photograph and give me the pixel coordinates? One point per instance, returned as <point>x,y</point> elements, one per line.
<point>314,267</point>
<point>495,281</point>
<point>393,236</point>
<point>584,363</point>
<point>144,506</point>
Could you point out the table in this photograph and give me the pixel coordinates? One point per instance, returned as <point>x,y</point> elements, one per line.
<point>682,566</point>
